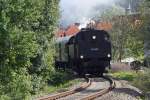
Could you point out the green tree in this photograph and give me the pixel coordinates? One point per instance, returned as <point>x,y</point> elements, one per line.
<point>26,53</point>
<point>144,30</point>
<point>124,40</point>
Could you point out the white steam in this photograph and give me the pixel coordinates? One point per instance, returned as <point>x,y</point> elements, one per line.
<point>80,10</point>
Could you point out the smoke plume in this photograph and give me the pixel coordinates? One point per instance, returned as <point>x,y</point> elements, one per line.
<point>82,10</point>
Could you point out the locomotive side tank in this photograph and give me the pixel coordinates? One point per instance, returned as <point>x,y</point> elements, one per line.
<point>87,52</point>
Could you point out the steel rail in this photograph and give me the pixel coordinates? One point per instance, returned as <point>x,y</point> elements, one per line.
<point>101,92</point>
<point>67,93</point>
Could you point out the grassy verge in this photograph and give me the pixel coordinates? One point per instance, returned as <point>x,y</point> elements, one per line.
<point>62,86</point>
<point>59,81</point>
<point>125,75</point>
<point>140,80</point>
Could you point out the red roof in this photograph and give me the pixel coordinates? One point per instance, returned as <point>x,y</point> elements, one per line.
<point>104,26</point>
<point>71,30</point>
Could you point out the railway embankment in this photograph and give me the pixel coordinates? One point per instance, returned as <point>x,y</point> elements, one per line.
<point>60,81</point>
<point>130,85</point>
<point>139,79</point>
<point>91,89</point>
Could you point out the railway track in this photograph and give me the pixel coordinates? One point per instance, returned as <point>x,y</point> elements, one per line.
<point>73,91</point>
<point>81,88</point>
<point>101,92</point>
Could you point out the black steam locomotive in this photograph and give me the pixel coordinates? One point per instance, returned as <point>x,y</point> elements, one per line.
<point>87,52</point>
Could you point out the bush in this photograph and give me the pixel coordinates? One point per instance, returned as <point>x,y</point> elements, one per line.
<point>136,65</point>
<point>37,84</point>
<point>5,97</point>
<point>59,78</point>
<point>18,87</point>
<point>26,31</point>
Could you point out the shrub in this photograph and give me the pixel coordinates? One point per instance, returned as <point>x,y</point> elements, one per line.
<point>59,77</point>
<point>37,84</point>
<point>26,31</point>
<point>136,65</point>
<point>18,87</point>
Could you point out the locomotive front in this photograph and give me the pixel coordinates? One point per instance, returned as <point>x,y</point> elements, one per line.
<point>93,44</point>
<point>93,51</point>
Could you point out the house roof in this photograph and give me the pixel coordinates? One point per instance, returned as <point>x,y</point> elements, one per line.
<point>71,30</point>
<point>104,26</point>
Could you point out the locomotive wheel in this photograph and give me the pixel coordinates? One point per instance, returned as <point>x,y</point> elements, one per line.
<point>101,74</point>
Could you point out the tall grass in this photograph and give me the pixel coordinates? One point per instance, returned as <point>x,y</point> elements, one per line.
<point>142,81</point>
<point>125,75</point>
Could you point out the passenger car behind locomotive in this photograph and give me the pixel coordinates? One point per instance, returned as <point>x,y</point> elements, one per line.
<point>87,52</point>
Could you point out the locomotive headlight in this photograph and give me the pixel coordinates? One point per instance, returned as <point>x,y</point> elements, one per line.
<point>93,37</point>
<point>106,38</point>
<point>108,55</point>
<point>81,56</point>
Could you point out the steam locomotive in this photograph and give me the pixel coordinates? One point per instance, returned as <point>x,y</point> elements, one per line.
<point>87,52</point>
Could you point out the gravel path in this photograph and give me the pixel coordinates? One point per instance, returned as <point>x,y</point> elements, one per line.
<point>123,91</point>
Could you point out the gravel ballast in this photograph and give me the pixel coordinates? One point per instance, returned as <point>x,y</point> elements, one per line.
<point>123,91</point>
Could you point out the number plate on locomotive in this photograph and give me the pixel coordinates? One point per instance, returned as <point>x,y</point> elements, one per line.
<point>94,49</point>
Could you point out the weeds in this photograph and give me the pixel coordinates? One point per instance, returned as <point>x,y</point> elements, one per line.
<point>142,81</point>
<point>139,80</point>
<point>129,76</point>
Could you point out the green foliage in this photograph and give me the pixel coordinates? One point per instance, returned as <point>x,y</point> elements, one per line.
<point>125,42</point>
<point>26,53</point>
<point>144,29</point>
<point>59,81</point>
<point>140,80</point>
<point>59,77</point>
<point>18,87</point>
<point>61,86</point>
<point>120,32</point>
<point>143,81</point>
<point>129,76</point>
<point>37,84</point>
